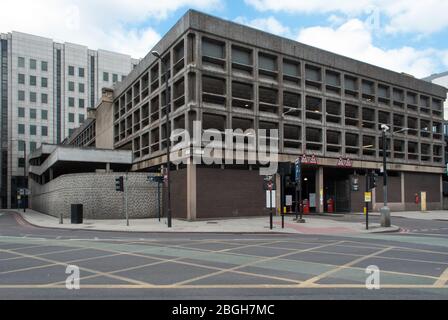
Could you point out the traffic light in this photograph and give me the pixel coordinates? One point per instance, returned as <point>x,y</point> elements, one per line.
<point>119,184</point>
<point>372,180</point>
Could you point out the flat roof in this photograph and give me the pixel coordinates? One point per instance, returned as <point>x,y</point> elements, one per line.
<point>63,153</point>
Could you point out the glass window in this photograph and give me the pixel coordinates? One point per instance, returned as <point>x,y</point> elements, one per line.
<point>44,114</point>
<point>33,64</point>
<point>115,78</point>
<point>71,117</point>
<point>71,102</point>
<point>71,86</point>
<point>213,48</point>
<point>70,132</point>
<point>44,98</point>
<point>21,95</point>
<point>21,162</point>
<point>81,87</point>
<point>21,112</point>
<point>21,144</point>
<point>33,130</point>
<point>81,118</point>
<point>267,62</point>
<point>21,62</point>
<point>81,72</point>
<point>33,97</point>
<point>44,66</point>
<point>44,82</point>
<point>106,76</point>
<point>242,56</point>
<point>32,80</point>
<point>44,131</point>
<point>71,70</point>
<point>32,113</point>
<point>21,129</point>
<point>81,103</point>
<point>21,78</point>
<point>33,146</point>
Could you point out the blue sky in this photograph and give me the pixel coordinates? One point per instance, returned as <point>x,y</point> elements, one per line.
<point>402,35</point>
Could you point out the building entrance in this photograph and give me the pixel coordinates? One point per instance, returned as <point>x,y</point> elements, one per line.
<point>337,188</point>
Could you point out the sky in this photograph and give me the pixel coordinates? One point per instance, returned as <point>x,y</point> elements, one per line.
<point>402,35</point>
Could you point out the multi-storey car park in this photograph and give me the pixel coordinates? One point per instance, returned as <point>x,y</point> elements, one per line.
<point>230,76</point>
<point>46,88</point>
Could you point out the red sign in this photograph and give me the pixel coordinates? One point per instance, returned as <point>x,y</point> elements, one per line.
<point>308,159</point>
<point>345,162</point>
<point>348,163</point>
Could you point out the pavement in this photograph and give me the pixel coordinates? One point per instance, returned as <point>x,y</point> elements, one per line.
<point>313,225</point>
<point>441,215</point>
<point>221,266</point>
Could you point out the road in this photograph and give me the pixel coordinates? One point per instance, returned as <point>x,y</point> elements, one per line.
<point>413,264</point>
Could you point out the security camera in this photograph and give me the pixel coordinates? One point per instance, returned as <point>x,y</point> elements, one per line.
<point>385,128</point>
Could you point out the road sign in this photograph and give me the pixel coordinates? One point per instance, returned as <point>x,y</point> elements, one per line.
<point>270,199</point>
<point>313,159</point>
<point>269,183</point>
<point>304,159</point>
<point>298,168</point>
<point>368,197</point>
<point>341,162</point>
<point>288,201</point>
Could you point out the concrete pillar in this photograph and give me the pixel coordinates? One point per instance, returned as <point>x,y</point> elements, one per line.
<point>107,167</point>
<point>51,174</point>
<point>320,190</point>
<point>191,191</point>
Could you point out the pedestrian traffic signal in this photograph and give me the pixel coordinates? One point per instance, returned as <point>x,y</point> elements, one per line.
<point>372,180</point>
<point>119,184</point>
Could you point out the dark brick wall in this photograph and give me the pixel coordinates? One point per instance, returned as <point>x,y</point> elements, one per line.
<point>422,182</point>
<point>179,193</point>
<point>229,193</point>
<point>393,189</point>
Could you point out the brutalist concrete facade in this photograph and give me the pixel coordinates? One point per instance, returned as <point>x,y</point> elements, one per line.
<point>231,76</point>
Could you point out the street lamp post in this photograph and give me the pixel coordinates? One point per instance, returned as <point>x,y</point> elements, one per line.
<point>385,210</point>
<point>168,162</point>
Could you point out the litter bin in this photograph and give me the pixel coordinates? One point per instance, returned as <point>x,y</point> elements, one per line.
<point>77,213</point>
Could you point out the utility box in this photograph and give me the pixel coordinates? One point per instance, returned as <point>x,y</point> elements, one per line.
<point>77,213</point>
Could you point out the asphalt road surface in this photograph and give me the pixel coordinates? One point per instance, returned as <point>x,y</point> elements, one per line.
<point>412,264</point>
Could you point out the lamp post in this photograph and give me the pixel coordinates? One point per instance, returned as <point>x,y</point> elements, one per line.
<point>168,162</point>
<point>385,210</point>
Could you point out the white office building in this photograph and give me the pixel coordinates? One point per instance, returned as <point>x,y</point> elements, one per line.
<point>442,80</point>
<point>46,88</point>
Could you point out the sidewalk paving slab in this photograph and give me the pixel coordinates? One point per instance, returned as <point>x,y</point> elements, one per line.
<point>313,225</point>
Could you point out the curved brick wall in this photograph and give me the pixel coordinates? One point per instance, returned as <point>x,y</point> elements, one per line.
<point>96,191</point>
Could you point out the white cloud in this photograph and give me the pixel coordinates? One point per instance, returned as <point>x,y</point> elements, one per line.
<point>402,15</point>
<point>269,24</point>
<point>354,39</point>
<point>107,24</point>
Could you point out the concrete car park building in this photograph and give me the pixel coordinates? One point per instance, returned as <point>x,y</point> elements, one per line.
<point>45,90</point>
<point>326,107</point>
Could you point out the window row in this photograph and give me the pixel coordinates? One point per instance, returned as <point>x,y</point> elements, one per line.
<point>32,97</point>
<point>81,87</point>
<point>316,77</point>
<point>32,64</point>
<point>32,130</point>
<point>71,118</point>
<point>32,113</point>
<point>81,102</point>
<point>32,80</point>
